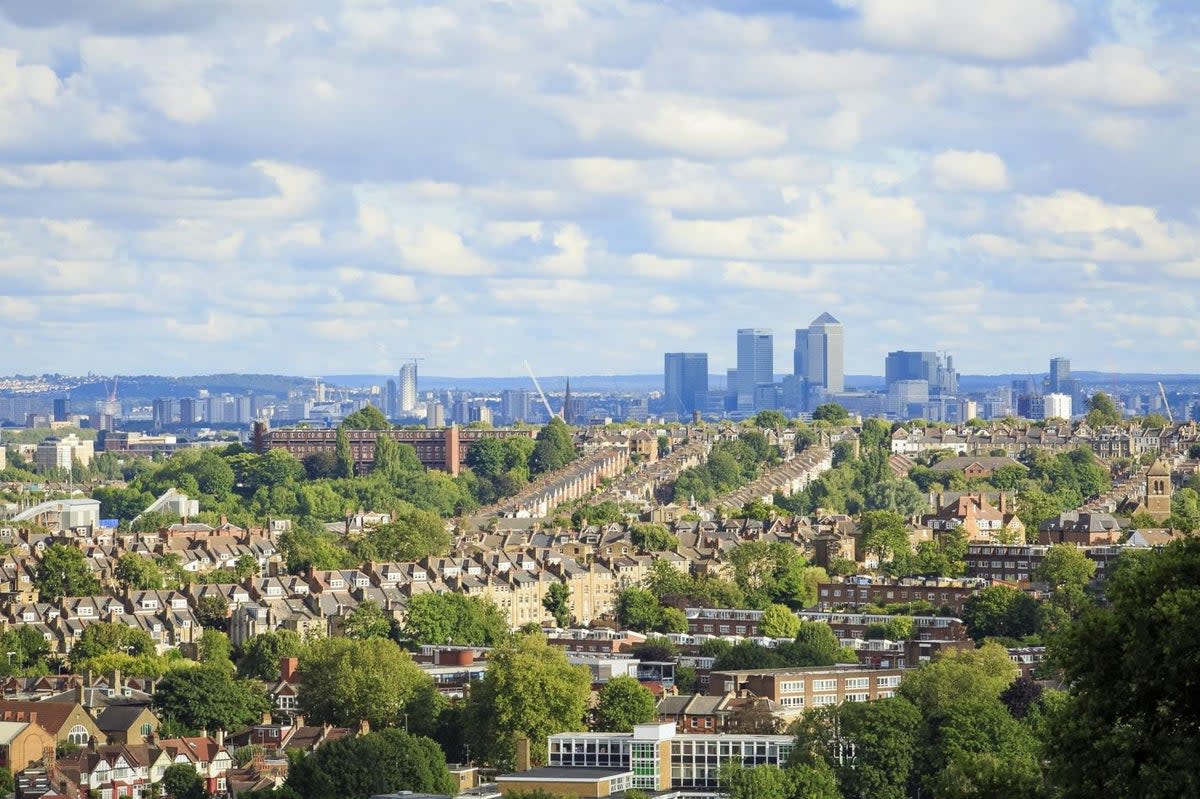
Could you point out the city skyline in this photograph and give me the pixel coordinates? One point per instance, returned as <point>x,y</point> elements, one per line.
<point>246,189</point>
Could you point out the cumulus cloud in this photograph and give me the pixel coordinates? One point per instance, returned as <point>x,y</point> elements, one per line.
<point>957,170</point>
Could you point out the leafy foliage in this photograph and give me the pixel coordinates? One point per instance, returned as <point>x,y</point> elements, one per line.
<point>209,697</point>
<point>384,762</point>
<point>622,703</point>
<point>345,681</point>
<point>454,619</point>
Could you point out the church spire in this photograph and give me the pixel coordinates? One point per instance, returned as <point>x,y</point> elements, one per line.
<point>566,409</point>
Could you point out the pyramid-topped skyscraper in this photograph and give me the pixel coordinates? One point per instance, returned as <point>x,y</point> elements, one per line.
<point>819,355</point>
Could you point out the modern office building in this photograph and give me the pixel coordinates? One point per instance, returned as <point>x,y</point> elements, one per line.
<point>188,411</point>
<point>823,355</point>
<point>164,412</point>
<point>62,409</point>
<point>435,415</point>
<point>755,364</point>
<point>63,453</point>
<point>685,382</point>
<point>514,405</point>
<point>903,394</point>
<point>653,758</point>
<point>1060,370</point>
<point>391,399</point>
<point>909,365</point>
<point>408,387</point>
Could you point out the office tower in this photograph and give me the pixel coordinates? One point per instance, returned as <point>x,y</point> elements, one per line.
<point>947,377</point>
<point>215,410</point>
<point>1060,370</point>
<point>902,394</point>
<point>187,410</point>
<point>755,364</point>
<point>685,382</point>
<point>800,354</point>
<point>906,365</point>
<point>163,412</point>
<point>391,401</point>
<point>824,355</point>
<point>479,412</point>
<point>514,405</point>
<point>408,387</point>
<point>61,409</point>
<point>435,414</point>
<point>243,410</point>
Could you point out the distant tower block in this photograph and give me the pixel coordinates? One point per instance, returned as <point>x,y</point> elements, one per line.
<point>1158,490</point>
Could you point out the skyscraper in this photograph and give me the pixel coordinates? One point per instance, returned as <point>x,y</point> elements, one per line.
<point>823,356</point>
<point>514,405</point>
<point>408,387</point>
<point>391,400</point>
<point>906,365</point>
<point>1060,370</point>
<point>755,364</point>
<point>685,381</point>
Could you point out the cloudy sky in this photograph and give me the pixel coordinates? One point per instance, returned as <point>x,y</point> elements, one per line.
<point>330,186</point>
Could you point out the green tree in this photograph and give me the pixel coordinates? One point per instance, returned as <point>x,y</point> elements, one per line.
<point>102,637</point>
<point>343,453</point>
<point>367,417</point>
<point>212,610</point>
<point>1127,727</point>
<point>64,571</point>
<point>215,649</point>
<point>638,609</point>
<point>652,537</point>
<point>262,653</point>
<point>958,677</point>
<point>383,762</point>
<point>209,697</point>
<point>454,619</point>
<point>413,534</point>
<point>558,602</point>
<point>770,420</point>
<point>531,691</point>
<point>885,534</point>
<point>1064,565</point>
<point>367,620</point>
<point>553,449</point>
<point>815,645</point>
<point>1000,611</point>
<point>779,621</point>
<point>1102,410</point>
<point>121,503</point>
<point>7,783</point>
<point>622,703</point>
<point>831,412</point>
<point>137,572</point>
<point>882,735</point>
<point>180,781</point>
<point>345,681</point>
<point>815,781</point>
<point>321,465</point>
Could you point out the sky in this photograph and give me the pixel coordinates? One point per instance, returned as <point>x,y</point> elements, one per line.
<point>334,186</point>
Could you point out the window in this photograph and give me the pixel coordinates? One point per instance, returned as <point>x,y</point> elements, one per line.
<point>857,697</point>
<point>146,730</point>
<point>78,735</point>
<point>792,687</point>
<point>888,682</point>
<point>791,701</point>
<point>824,699</point>
<point>824,685</point>
<point>857,682</point>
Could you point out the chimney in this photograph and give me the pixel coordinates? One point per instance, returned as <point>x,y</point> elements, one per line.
<point>1003,502</point>
<point>224,520</point>
<point>33,717</point>
<point>220,737</point>
<point>288,668</point>
<point>524,755</point>
<point>266,717</point>
<point>117,682</point>
<point>300,721</point>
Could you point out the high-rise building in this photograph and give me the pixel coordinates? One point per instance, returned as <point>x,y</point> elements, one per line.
<point>685,382</point>
<point>1056,406</point>
<point>514,405</point>
<point>1060,370</point>
<point>824,355</point>
<point>435,415</point>
<point>187,410</point>
<point>391,400</point>
<point>243,409</point>
<point>408,387</point>
<point>163,410</point>
<point>62,409</point>
<point>906,365</point>
<point>755,364</point>
<point>902,394</point>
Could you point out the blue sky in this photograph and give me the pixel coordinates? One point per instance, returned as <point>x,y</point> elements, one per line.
<point>329,187</point>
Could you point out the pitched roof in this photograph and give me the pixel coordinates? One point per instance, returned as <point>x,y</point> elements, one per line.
<point>50,715</point>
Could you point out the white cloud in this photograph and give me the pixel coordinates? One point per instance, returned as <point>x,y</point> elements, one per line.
<point>653,266</point>
<point>571,259</point>
<point>958,170</point>
<point>707,132</point>
<point>1012,30</point>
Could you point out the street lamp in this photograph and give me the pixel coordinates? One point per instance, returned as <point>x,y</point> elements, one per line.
<point>10,657</point>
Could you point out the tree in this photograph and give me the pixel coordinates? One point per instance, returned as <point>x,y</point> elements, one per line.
<point>652,537</point>
<point>531,691</point>
<point>137,572</point>
<point>215,649</point>
<point>770,420</point>
<point>262,653</point>
<point>959,676</point>
<point>343,453</point>
<point>885,533</point>
<point>553,449</point>
<point>805,781</point>
<point>64,571</point>
<point>779,621</point>
<point>1064,565</point>
<point>1000,611</point>
<point>383,762</point>
<point>212,610</point>
<point>622,703</point>
<point>638,609</point>
<point>413,534</point>
<point>7,783</point>
<point>367,620</point>
<point>102,637</point>
<point>558,602</point>
<point>882,735</point>
<point>345,681</point>
<point>367,417</point>
<point>815,645</point>
<point>321,465</point>
<point>1127,727</point>
<point>209,697</point>
<point>831,412</point>
<point>180,781</point>
<point>454,619</point>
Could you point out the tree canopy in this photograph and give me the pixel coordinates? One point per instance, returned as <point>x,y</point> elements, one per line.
<point>622,703</point>
<point>345,681</point>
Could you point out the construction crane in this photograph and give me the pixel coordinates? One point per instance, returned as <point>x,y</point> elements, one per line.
<point>550,413</point>
<point>1162,392</point>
